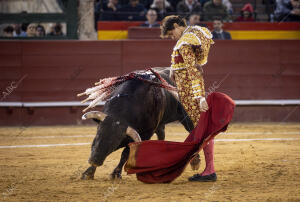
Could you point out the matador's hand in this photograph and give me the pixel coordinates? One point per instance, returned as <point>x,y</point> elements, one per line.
<point>203,104</point>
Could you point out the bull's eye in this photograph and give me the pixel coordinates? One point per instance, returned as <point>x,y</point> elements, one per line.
<point>118,122</point>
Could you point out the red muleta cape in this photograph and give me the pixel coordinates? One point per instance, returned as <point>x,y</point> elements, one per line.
<point>156,161</point>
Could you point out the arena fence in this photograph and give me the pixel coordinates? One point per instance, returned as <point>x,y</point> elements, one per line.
<point>42,78</point>
<point>79,104</point>
<point>28,114</point>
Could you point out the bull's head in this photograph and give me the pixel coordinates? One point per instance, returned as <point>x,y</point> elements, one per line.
<point>110,134</point>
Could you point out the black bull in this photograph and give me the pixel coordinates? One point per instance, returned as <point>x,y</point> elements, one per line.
<point>137,105</point>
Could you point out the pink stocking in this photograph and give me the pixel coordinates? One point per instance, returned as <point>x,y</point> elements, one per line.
<point>209,158</point>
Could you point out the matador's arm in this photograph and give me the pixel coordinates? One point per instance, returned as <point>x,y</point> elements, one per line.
<point>195,75</point>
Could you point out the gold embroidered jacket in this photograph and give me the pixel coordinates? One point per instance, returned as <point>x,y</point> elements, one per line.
<point>191,50</point>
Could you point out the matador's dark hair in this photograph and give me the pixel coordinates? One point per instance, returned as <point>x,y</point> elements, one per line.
<point>167,24</point>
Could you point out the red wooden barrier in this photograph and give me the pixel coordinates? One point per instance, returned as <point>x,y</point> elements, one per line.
<point>58,70</point>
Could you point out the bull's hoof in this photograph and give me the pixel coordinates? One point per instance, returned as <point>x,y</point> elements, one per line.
<point>114,176</point>
<point>195,162</point>
<point>85,176</point>
<point>88,174</point>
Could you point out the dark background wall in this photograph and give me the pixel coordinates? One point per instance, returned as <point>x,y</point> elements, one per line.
<point>58,70</point>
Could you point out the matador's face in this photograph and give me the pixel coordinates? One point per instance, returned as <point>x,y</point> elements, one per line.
<point>176,33</point>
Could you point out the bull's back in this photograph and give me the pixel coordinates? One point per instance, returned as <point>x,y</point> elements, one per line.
<point>138,103</point>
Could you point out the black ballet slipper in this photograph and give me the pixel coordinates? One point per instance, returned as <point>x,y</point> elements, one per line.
<point>206,178</point>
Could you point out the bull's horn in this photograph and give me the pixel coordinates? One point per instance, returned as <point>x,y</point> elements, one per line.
<point>94,115</point>
<point>133,134</point>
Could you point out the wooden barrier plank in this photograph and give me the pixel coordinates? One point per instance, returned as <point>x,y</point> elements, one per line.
<point>11,48</point>
<point>289,52</point>
<point>241,68</point>
<point>154,53</point>
<point>259,82</point>
<point>266,114</point>
<point>117,25</point>
<point>10,60</point>
<point>109,60</point>
<point>52,85</point>
<point>72,116</point>
<point>10,73</point>
<point>245,93</point>
<point>143,33</point>
<point>70,47</point>
<point>59,95</point>
<point>72,72</point>
<point>238,52</point>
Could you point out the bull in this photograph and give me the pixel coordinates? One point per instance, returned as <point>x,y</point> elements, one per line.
<point>135,111</point>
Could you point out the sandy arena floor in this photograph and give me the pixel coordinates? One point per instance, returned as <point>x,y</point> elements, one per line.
<point>264,166</point>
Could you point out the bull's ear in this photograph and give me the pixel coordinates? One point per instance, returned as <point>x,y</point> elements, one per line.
<point>95,115</point>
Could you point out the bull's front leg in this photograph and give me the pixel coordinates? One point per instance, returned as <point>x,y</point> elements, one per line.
<point>160,132</point>
<point>89,173</point>
<point>117,173</point>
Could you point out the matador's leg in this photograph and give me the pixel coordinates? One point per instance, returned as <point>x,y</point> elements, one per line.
<point>208,175</point>
<point>209,158</point>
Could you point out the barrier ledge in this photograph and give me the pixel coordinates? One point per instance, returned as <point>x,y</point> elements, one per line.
<point>79,104</point>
